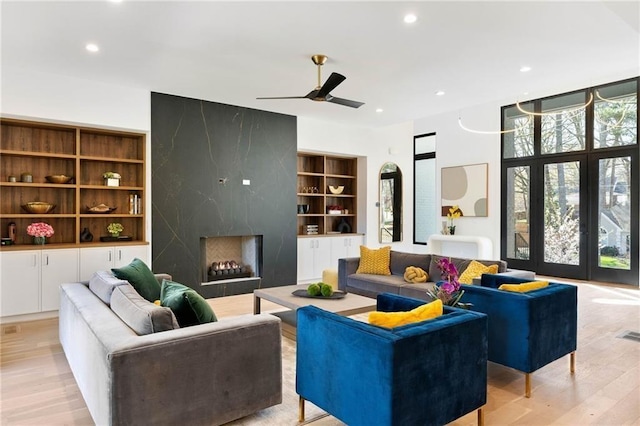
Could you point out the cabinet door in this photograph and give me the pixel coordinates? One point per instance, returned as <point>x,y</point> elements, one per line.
<point>342,247</point>
<point>322,257</point>
<point>353,245</point>
<point>306,248</point>
<point>20,281</point>
<point>58,266</point>
<point>123,255</point>
<point>94,259</point>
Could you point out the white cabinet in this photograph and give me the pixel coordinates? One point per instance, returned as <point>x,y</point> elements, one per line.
<point>31,278</point>
<point>58,266</point>
<point>104,258</point>
<point>346,246</point>
<point>314,256</point>
<point>20,282</point>
<point>317,254</point>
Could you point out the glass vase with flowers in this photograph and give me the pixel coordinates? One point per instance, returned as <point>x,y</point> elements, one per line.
<point>448,289</point>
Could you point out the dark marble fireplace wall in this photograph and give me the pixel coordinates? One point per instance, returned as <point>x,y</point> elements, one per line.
<point>194,145</point>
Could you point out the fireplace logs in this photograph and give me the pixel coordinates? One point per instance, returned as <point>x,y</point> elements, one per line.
<point>228,269</point>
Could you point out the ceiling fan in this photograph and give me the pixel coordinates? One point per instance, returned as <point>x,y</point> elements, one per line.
<point>322,92</point>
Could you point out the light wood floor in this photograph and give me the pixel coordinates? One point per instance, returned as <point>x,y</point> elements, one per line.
<point>37,387</point>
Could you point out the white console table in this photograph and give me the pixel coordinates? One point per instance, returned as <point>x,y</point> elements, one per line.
<point>468,246</point>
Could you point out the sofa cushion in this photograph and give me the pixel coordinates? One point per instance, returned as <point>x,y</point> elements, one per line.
<point>188,306</point>
<point>461,264</point>
<point>399,261</point>
<point>374,261</point>
<point>417,290</point>
<point>372,285</point>
<point>395,319</point>
<point>141,278</point>
<point>475,270</point>
<point>524,287</point>
<point>139,314</point>
<point>102,284</point>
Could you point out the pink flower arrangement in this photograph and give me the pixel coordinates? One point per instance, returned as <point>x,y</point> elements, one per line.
<point>448,290</point>
<point>40,229</point>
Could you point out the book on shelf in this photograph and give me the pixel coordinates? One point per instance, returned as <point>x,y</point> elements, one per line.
<point>135,204</point>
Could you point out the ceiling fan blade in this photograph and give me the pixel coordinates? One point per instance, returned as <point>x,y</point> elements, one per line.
<point>286,97</point>
<point>331,83</point>
<point>345,102</point>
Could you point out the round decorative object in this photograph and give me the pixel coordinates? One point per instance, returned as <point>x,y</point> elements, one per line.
<point>58,178</point>
<point>115,234</point>
<point>26,177</point>
<point>344,227</point>
<point>337,294</point>
<point>39,240</point>
<point>336,189</point>
<point>38,207</point>
<point>100,209</point>
<point>86,236</point>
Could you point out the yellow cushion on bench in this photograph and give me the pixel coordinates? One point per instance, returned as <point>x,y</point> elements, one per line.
<point>395,319</point>
<point>524,287</point>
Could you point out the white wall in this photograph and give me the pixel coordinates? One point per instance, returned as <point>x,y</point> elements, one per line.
<point>455,147</point>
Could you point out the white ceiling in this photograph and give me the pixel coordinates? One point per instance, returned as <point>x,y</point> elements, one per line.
<point>233,52</point>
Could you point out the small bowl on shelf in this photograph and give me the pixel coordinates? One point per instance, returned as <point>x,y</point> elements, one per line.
<point>58,178</point>
<point>336,190</point>
<point>101,209</point>
<point>38,207</point>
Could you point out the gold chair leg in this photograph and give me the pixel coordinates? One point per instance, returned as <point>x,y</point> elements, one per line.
<point>527,385</point>
<point>480,417</point>
<point>572,362</point>
<point>301,410</point>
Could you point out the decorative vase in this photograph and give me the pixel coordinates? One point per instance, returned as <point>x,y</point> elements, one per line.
<point>112,182</point>
<point>86,236</point>
<point>344,227</point>
<point>39,240</point>
<point>115,234</point>
<point>452,230</point>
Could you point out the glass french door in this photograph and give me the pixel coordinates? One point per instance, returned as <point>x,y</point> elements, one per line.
<point>562,220</point>
<point>612,254</point>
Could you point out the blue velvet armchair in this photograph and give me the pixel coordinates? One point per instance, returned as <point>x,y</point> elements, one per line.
<point>526,330</point>
<point>426,373</point>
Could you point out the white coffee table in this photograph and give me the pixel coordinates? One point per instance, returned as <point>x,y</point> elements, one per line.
<point>351,304</point>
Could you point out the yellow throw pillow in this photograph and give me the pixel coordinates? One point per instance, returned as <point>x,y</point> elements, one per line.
<point>524,287</point>
<point>475,270</point>
<point>413,274</point>
<point>374,261</point>
<point>396,319</point>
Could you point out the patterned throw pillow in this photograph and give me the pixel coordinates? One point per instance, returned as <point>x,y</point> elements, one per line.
<point>524,287</point>
<point>374,261</point>
<point>475,270</point>
<point>396,319</point>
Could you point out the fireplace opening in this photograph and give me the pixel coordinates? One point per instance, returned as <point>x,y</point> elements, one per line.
<point>232,260</point>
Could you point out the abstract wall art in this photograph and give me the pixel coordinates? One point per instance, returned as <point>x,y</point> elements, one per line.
<point>466,187</point>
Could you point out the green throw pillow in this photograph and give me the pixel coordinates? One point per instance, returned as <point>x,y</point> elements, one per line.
<point>187,305</point>
<point>141,278</point>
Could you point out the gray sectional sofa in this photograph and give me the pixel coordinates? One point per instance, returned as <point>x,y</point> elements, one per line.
<point>370,285</point>
<point>131,372</point>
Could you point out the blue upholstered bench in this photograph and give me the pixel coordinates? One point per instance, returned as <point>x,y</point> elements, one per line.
<point>427,373</point>
<point>527,330</point>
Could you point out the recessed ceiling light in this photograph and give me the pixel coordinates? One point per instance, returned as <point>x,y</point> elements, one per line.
<point>525,69</point>
<point>92,47</point>
<point>410,18</point>
<point>379,110</point>
<point>440,93</point>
